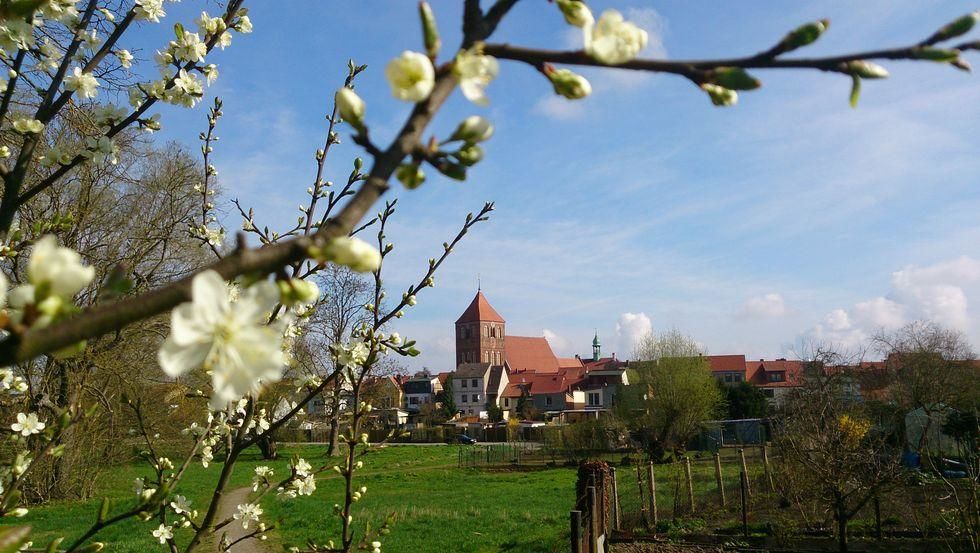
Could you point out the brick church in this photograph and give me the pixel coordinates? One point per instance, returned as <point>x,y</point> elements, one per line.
<point>494,369</point>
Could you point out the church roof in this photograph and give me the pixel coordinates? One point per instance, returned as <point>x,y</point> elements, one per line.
<point>530,353</point>
<point>479,310</point>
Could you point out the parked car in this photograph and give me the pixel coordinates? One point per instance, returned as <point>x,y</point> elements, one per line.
<point>462,439</point>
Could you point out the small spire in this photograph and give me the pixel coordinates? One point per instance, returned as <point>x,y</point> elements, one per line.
<point>478,288</point>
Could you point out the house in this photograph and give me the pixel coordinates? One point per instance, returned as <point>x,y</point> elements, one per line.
<point>385,394</point>
<point>477,386</point>
<point>776,378</point>
<point>727,369</point>
<point>419,390</point>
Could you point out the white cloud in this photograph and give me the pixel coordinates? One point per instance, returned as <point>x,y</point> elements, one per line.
<point>630,327</point>
<point>938,292</point>
<point>558,107</point>
<point>559,344</point>
<point>771,305</point>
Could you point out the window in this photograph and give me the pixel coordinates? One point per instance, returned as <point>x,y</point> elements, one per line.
<point>768,392</point>
<point>506,402</point>
<point>486,357</point>
<point>595,399</point>
<point>547,400</point>
<point>728,377</point>
<point>413,400</point>
<point>473,381</point>
<point>464,384</point>
<point>738,377</point>
<point>776,377</point>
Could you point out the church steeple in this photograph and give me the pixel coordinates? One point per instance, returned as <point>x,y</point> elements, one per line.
<point>596,346</point>
<point>480,333</point>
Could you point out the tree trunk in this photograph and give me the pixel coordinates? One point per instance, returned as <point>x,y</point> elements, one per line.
<point>267,446</point>
<point>841,515</point>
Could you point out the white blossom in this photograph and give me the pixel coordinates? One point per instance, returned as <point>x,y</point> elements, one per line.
<point>354,253</point>
<point>411,76</point>
<point>473,129</point>
<point>189,47</point>
<point>247,513</point>
<point>350,106</point>
<point>180,504</point>
<point>149,10</point>
<point>613,40</point>
<point>163,533</point>
<point>27,424</point>
<point>84,84</point>
<point>57,269</point>
<point>230,339</point>
<point>101,149</point>
<point>125,58</point>
<point>475,71</point>
<point>26,125</point>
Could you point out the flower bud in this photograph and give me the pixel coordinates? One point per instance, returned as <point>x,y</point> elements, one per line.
<point>294,291</point>
<point>720,96</point>
<point>354,253</point>
<point>941,55</point>
<point>865,69</point>
<point>955,28</point>
<point>469,154</point>
<point>569,84</point>
<point>576,12</point>
<point>351,107</point>
<point>430,33</point>
<point>410,175</point>
<point>802,36</point>
<point>473,129</point>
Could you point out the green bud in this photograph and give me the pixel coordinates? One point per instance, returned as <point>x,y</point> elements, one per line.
<point>955,28</point>
<point>720,96</point>
<point>104,510</point>
<point>351,107</point>
<point>410,175</point>
<point>452,170</point>
<point>473,129</point>
<point>803,35</point>
<point>865,69</point>
<point>576,12</point>
<point>53,546</point>
<point>734,78</point>
<point>469,154</point>
<point>569,84</point>
<point>941,55</point>
<point>430,33</point>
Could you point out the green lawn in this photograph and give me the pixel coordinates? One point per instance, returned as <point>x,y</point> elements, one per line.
<point>438,506</point>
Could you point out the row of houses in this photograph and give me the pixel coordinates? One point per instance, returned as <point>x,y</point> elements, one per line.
<point>522,377</point>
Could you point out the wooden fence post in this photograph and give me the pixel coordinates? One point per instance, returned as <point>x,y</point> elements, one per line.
<point>593,521</point>
<point>877,518</point>
<point>745,470</point>
<point>719,480</point>
<point>615,499</point>
<point>576,519</point>
<point>652,485</point>
<point>765,466</point>
<point>743,487</point>
<point>690,483</point>
<point>644,513</point>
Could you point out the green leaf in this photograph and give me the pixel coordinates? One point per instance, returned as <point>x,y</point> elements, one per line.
<point>855,90</point>
<point>13,537</point>
<point>735,78</point>
<point>942,55</point>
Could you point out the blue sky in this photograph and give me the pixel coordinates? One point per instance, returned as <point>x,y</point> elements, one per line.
<point>790,215</point>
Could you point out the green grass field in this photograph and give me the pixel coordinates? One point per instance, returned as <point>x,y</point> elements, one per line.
<point>437,505</point>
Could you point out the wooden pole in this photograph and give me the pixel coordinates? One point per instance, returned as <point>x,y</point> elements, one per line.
<point>615,497</point>
<point>643,508</point>
<point>719,480</point>
<point>576,520</point>
<point>745,470</point>
<point>593,521</point>
<point>765,466</point>
<point>652,484</point>
<point>743,487</point>
<point>690,483</point>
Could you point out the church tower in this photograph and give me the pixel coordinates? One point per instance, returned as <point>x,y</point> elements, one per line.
<point>480,334</point>
<point>596,347</point>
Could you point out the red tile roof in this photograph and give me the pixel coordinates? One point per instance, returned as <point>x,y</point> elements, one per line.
<point>726,363</point>
<point>792,373</point>
<point>479,310</point>
<point>568,362</point>
<point>529,353</point>
<point>548,383</point>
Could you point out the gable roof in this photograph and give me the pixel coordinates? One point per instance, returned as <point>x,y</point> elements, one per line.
<point>726,363</point>
<point>479,310</point>
<point>569,362</point>
<point>529,353</point>
<point>472,370</point>
<point>548,383</point>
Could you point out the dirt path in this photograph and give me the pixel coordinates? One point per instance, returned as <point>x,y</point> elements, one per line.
<point>234,530</point>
